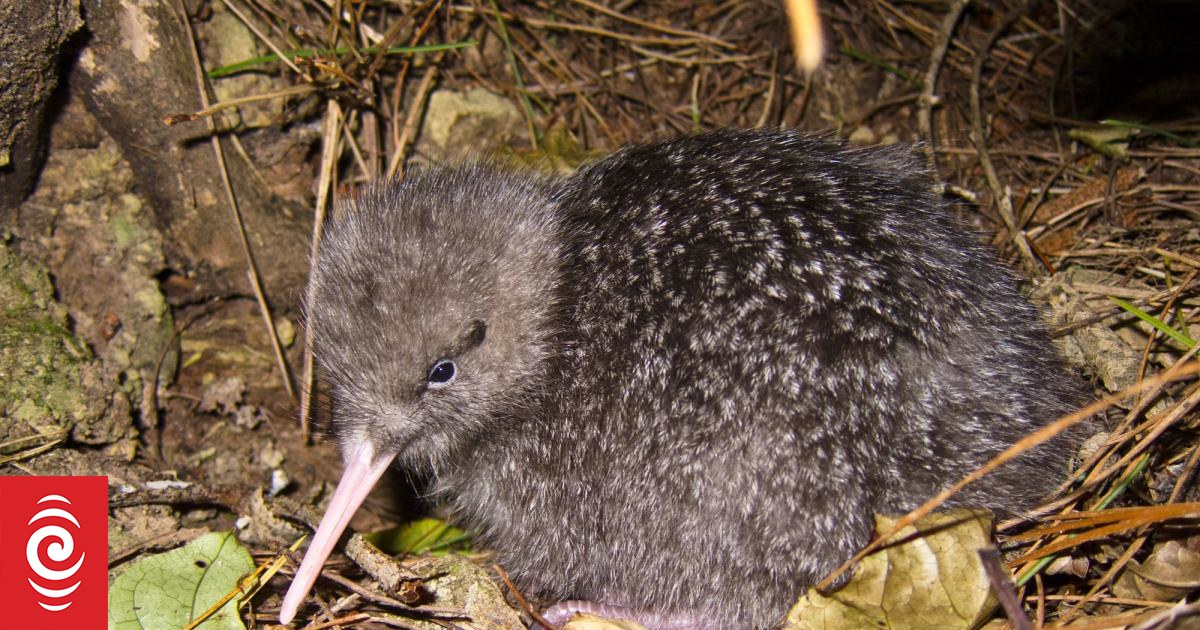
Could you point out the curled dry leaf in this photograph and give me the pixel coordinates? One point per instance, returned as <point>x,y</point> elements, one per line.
<point>1067,565</point>
<point>1170,573</point>
<point>933,580</point>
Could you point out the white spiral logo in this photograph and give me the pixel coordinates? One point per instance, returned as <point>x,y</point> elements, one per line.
<point>59,550</point>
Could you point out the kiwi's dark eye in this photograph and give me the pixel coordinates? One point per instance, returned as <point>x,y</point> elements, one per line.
<point>442,373</point>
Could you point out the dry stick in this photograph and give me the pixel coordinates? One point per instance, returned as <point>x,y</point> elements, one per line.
<point>209,109</point>
<point>367,31</point>
<point>1143,536</point>
<point>1093,526</point>
<point>393,33</point>
<point>552,25</point>
<point>404,624</point>
<point>518,82</point>
<point>402,77</point>
<point>1183,258</point>
<point>1120,620</point>
<point>338,622</point>
<point>334,69</point>
<point>334,32</point>
<point>347,136</point>
<point>370,156</point>
<point>396,168</point>
<point>524,603</point>
<point>1030,441</point>
<point>564,71</point>
<point>1122,601</point>
<point>856,118</point>
<point>346,602</point>
<point>537,49</point>
<point>1066,329</point>
<point>1177,412</point>
<point>1040,198</point>
<point>398,85</point>
<point>1094,478</point>
<point>241,150</point>
<point>1097,475</point>
<point>770,97</point>
<point>1167,618</point>
<point>266,40</point>
<point>1135,546</point>
<point>400,136</point>
<point>694,61</point>
<point>927,99</point>
<point>251,266</point>
<point>1189,470</point>
<point>330,135</point>
<point>805,99</point>
<point>1167,310</point>
<point>385,600</point>
<point>1003,202</point>
<point>919,30</point>
<point>1041,601</point>
<point>56,437</point>
<point>650,26</point>
<point>151,408</point>
<point>1003,588</point>
<point>1112,571</point>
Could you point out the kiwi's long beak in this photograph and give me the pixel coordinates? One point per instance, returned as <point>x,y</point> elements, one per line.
<point>363,469</point>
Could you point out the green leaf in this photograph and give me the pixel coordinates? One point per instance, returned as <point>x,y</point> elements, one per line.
<point>171,589</point>
<point>426,535</point>
<point>1108,140</point>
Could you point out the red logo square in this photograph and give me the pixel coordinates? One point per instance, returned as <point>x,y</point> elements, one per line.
<point>54,553</point>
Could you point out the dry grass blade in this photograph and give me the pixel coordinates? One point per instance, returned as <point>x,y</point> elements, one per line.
<point>980,138</point>
<point>251,268</point>
<point>701,37</point>
<point>927,100</point>
<point>1100,528</point>
<point>49,439</point>
<point>330,138</point>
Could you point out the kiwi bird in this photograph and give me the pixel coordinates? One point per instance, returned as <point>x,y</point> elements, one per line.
<point>680,381</point>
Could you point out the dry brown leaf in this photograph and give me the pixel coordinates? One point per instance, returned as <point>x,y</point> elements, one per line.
<point>1170,573</point>
<point>1093,189</point>
<point>931,581</point>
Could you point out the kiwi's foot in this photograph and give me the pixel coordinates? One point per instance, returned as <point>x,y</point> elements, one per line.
<point>560,613</point>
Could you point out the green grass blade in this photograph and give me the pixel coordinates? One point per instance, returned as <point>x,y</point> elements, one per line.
<point>1155,322</point>
<point>878,61</point>
<point>534,133</point>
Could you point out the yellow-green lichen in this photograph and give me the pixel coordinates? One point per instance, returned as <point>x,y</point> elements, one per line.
<point>40,359</point>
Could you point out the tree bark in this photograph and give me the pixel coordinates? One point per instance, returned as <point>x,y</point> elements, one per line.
<point>31,34</point>
<point>136,70</point>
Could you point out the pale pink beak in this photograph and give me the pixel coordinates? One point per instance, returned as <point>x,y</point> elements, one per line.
<point>362,471</point>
